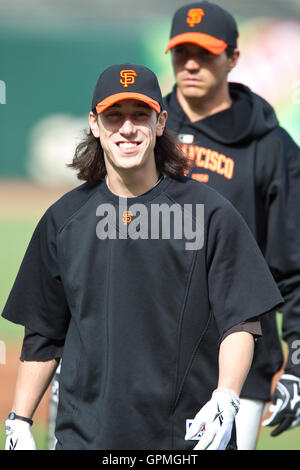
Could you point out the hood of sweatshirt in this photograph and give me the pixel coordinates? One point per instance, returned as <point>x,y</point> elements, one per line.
<point>249,117</point>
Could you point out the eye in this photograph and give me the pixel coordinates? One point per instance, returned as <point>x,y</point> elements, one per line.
<point>141,114</point>
<point>112,115</point>
<point>179,50</point>
<point>205,54</point>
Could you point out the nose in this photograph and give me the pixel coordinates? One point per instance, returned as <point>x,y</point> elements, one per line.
<point>128,127</point>
<point>192,64</point>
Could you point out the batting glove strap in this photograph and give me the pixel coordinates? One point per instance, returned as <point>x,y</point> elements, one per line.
<point>18,435</point>
<point>285,406</point>
<point>214,421</point>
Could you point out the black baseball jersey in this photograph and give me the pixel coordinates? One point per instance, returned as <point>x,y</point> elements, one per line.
<point>141,316</point>
<point>244,154</point>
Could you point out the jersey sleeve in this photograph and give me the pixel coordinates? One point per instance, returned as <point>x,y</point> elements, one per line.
<point>250,326</point>
<point>36,347</point>
<point>37,299</point>
<point>240,284</point>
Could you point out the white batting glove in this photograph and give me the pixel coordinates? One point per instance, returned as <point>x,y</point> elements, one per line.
<point>286,405</point>
<point>18,435</point>
<point>215,420</point>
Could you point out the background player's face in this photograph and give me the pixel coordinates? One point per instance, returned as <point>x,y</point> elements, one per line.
<point>198,72</point>
<point>127,132</point>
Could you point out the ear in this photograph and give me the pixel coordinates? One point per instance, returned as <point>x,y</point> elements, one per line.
<point>161,122</point>
<point>232,61</point>
<point>93,121</point>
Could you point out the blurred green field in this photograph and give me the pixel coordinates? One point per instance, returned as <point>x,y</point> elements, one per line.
<point>14,238</point>
<point>289,440</point>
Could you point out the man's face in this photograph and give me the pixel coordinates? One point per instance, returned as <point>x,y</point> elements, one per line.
<point>127,131</point>
<point>198,72</point>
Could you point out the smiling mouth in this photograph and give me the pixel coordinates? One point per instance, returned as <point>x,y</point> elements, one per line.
<point>125,145</point>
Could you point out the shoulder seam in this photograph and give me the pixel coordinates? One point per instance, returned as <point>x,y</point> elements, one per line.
<point>60,228</point>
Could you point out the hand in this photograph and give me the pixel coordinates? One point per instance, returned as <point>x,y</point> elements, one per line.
<point>286,405</point>
<point>19,436</point>
<point>215,420</point>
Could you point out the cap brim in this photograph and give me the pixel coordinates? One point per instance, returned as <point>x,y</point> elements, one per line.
<point>110,100</point>
<point>213,45</point>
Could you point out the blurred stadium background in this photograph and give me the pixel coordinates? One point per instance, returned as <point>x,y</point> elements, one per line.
<point>51,53</point>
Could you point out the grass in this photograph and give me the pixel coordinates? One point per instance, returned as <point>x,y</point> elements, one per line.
<point>289,440</point>
<point>14,238</point>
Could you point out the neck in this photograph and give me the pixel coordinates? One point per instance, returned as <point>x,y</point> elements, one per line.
<point>130,183</point>
<point>197,108</point>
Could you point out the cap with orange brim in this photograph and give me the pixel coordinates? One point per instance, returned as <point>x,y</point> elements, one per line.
<point>214,45</point>
<point>205,24</point>
<point>126,81</point>
<point>111,100</point>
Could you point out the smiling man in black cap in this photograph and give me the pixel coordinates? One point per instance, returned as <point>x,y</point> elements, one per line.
<point>138,320</point>
<point>233,143</point>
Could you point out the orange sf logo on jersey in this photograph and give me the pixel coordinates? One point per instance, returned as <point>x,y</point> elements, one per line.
<point>194,16</point>
<point>127,215</point>
<point>127,77</point>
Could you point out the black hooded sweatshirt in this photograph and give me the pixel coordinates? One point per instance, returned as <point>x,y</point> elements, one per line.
<point>244,154</point>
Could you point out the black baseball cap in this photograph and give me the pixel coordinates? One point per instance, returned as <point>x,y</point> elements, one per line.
<point>205,24</point>
<point>127,81</point>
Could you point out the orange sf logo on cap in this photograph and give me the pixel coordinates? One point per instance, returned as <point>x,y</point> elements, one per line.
<point>127,77</point>
<point>194,16</point>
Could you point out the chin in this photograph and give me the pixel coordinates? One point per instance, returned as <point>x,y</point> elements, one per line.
<point>194,92</point>
<point>129,163</point>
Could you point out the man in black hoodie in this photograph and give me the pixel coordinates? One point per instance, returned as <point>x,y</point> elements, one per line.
<point>234,143</point>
